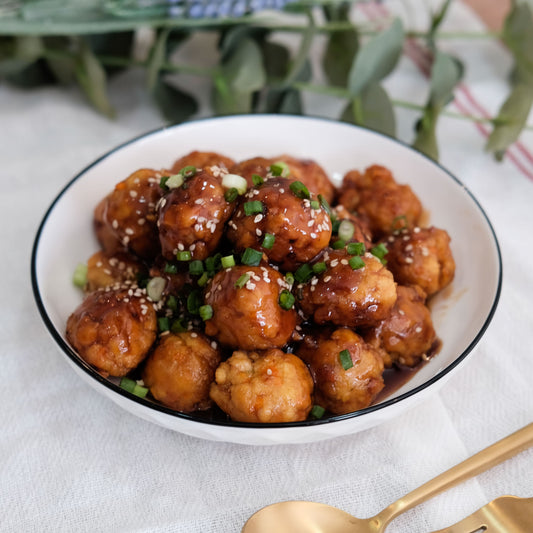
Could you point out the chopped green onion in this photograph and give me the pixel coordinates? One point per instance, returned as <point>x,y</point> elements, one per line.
<point>177,326</point>
<point>345,359</point>
<point>337,245</point>
<point>187,172</point>
<point>227,261</point>
<point>346,230</point>
<point>231,195</point>
<point>380,251</point>
<point>324,203</point>
<point>251,257</point>
<point>230,181</point>
<point>183,255</point>
<point>299,190</point>
<point>317,411</point>
<point>242,281</point>
<point>395,226</point>
<point>286,299</point>
<point>253,208</point>
<point>196,267</point>
<point>175,181</point>
<point>170,268</point>
<point>132,386</point>
<point>318,268</point>
<point>303,273</point>
<point>356,262</point>
<point>79,278</point>
<point>172,303</point>
<point>315,204</point>
<point>202,280</point>
<point>335,223</point>
<point>194,301</point>
<point>289,278</point>
<point>206,312</point>
<point>163,324</point>
<point>257,180</point>
<point>163,182</point>
<point>268,241</point>
<point>356,248</point>
<point>212,263</point>
<point>155,288</point>
<point>280,168</point>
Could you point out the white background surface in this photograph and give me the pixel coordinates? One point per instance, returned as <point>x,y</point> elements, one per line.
<point>72,460</point>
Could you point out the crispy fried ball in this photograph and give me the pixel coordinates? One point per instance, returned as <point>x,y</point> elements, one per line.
<point>337,389</point>
<point>113,329</point>
<point>361,231</point>
<point>423,257</point>
<point>126,218</point>
<point>269,387</point>
<point>311,174</point>
<point>192,217</point>
<point>105,269</point>
<point>180,370</point>
<point>249,167</point>
<point>407,334</point>
<point>346,296</point>
<point>202,160</point>
<point>380,200</point>
<point>300,231</point>
<point>246,309</point>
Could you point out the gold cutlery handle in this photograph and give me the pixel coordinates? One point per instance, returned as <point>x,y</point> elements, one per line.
<point>480,462</point>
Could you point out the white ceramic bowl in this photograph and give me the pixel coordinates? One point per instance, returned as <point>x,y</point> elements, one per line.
<point>460,314</point>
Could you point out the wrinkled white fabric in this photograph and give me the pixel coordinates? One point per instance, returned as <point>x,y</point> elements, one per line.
<point>71,460</point>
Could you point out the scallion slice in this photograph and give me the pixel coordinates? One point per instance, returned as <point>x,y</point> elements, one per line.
<point>315,204</point>
<point>194,301</point>
<point>380,251</point>
<point>206,312</point>
<point>183,255</point>
<point>253,208</point>
<point>172,303</point>
<point>155,288</point>
<point>163,323</point>
<point>163,182</point>
<point>303,273</point>
<point>280,168</point>
<point>356,248</point>
<point>177,326</point>
<point>196,267</point>
<point>338,244</point>
<point>174,181</point>
<point>257,180</point>
<point>203,279</point>
<point>242,281</point>
<point>268,241</point>
<point>346,230</point>
<point>230,181</point>
<point>356,262</point>
<point>231,195</point>
<point>286,299</point>
<point>251,257</point>
<point>132,386</point>
<point>79,278</point>
<point>317,411</point>
<point>170,268</point>
<point>289,278</point>
<point>324,203</point>
<point>345,359</point>
<point>299,190</point>
<point>187,172</point>
<point>227,261</point>
<point>320,267</point>
<point>335,223</point>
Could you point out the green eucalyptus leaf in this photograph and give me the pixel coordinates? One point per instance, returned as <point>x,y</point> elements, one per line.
<point>301,61</point>
<point>436,21</point>
<point>339,55</point>
<point>285,101</point>
<point>511,120</point>
<point>426,136</point>
<point>244,70</point>
<point>275,59</point>
<point>92,79</point>
<point>18,60</point>
<point>372,109</point>
<point>157,59</point>
<point>175,104</point>
<point>517,34</point>
<point>377,58</point>
<point>116,44</point>
<point>33,75</point>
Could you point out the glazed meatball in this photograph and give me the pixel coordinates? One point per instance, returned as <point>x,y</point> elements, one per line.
<point>380,200</point>
<point>421,256</point>
<point>202,160</point>
<point>407,335</point>
<point>249,167</point>
<point>126,218</point>
<point>311,174</point>
<point>246,309</point>
<point>300,230</point>
<point>361,231</point>
<point>105,269</point>
<point>113,329</point>
<point>348,296</point>
<point>180,370</point>
<point>192,216</point>
<point>340,387</point>
<point>270,387</point>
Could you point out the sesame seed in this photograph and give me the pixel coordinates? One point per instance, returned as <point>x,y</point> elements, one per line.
<point>408,260</point>
<point>310,223</point>
<point>114,224</point>
<point>269,371</point>
<point>408,247</point>
<point>133,194</point>
<point>99,264</point>
<point>327,278</point>
<point>258,232</point>
<point>334,263</point>
<point>418,329</point>
<point>344,261</point>
<point>258,218</point>
<point>194,335</point>
<point>181,247</point>
<point>214,345</point>
<point>416,230</point>
<point>313,235</point>
<point>129,231</point>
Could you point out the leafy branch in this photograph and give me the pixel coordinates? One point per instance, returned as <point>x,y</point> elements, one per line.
<point>255,73</point>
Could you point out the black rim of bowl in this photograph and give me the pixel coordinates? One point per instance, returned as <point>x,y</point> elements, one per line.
<point>79,362</point>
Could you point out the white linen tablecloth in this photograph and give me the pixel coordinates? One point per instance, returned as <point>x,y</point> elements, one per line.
<point>71,460</point>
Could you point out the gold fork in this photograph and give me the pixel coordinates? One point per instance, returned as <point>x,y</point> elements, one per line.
<point>506,514</point>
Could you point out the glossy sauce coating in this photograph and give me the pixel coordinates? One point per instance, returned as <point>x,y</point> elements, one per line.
<point>105,269</point>
<point>202,160</point>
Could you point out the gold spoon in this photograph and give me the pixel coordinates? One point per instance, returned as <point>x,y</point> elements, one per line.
<point>310,517</point>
